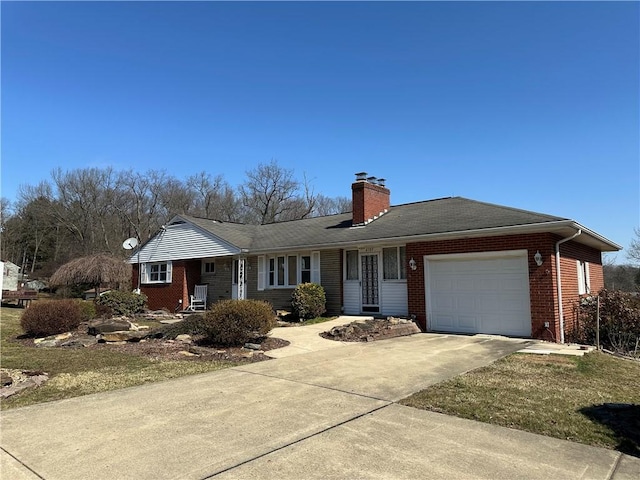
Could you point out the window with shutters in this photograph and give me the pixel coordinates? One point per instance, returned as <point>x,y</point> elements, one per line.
<point>287,271</point>
<point>159,272</point>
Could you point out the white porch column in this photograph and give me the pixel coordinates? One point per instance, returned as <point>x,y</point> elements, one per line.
<point>241,279</point>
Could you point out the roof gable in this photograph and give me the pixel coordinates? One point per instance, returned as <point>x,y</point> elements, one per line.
<point>180,240</point>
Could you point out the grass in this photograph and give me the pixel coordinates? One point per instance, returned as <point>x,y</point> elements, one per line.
<point>81,371</point>
<point>557,396</point>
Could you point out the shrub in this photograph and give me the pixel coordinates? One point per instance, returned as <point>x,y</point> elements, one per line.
<point>308,300</point>
<point>235,322</point>
<point>87,310</point>
<point>619,321</point>
<point>50,317</point>
<point>122,303</point>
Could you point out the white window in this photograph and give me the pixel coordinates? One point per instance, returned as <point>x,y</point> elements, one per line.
<point>394,263</point>
<point>159,272</point>
<point>305,269</point>
<point>584,284</point>
<point>352,265</point>
<point>287,271</point>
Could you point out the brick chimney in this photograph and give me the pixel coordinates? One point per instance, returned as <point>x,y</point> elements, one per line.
<point>370,198</point>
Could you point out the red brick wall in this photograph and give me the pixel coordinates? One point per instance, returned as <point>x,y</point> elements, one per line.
<point>541,279</point>
<point>185,274</point>
<point>570,253</point>
<point>368,200</point>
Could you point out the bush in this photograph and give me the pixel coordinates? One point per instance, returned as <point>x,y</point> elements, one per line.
<point>87,310</point>
<point>50,317</point>
<point>308,300</point>
<point>619,321</point>
<point>235,322</point>
<point>121,303</point>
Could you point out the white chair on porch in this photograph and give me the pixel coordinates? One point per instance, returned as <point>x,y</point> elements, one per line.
<point>198,301</point>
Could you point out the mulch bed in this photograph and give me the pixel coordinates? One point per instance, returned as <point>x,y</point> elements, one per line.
<point>166,349</point>
<point>161,349</point>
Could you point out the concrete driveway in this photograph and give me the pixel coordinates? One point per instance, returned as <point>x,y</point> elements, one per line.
<point>325,414</point>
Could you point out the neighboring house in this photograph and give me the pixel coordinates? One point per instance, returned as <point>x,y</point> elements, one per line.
<point>11,277</point>
<point>456,265</point>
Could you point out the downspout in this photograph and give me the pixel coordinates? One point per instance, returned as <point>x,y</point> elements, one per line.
<point>559,281</point>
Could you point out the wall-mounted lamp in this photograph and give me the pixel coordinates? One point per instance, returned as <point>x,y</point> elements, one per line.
<point>538,258</point>
<point>413,264</point>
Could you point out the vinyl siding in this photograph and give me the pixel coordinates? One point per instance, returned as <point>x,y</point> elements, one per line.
<point>394,298</point>
<point>182,241</point>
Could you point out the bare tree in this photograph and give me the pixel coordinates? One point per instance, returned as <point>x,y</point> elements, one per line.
<point>214,197</point>
<point>271,194</point>
<point>634,248</point>
<point>331,206</point>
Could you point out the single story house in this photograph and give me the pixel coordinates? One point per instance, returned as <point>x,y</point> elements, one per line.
<point>11,276</point>
<point>453,264</point>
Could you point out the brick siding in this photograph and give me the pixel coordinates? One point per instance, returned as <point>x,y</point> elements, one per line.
<point>368,200</point>
<point>541,279</point>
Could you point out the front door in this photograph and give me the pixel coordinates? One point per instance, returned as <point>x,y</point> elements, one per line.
<point>369,283</point>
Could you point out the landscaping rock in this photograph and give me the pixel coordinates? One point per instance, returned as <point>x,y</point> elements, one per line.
<point>184,338</point>
<point>80,341</point>
<point>187,354</point>
<point>108,325</point>
<point>5,379</point>
<point>371,330</point>
<point>123,336</point>
<point>252,346</point>
<point>52,340</point>
<point>21,380</point>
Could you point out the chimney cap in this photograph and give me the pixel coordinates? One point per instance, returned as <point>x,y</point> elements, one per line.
<point>381,181</point>
<point>361,176</point>
<point>371,179</point>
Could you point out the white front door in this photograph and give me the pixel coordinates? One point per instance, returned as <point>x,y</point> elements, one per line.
<point>370,283</point>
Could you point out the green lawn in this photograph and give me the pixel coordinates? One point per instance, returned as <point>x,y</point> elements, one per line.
<point>558,396</point>
<point>80,371</point>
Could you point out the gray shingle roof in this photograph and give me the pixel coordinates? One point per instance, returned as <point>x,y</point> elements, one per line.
<point>455,214</point>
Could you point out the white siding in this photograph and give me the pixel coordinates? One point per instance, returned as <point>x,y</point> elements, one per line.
<point>394,298</point>
<point>351,292</point>
<point>182,241</point>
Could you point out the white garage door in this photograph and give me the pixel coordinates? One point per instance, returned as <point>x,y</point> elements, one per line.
<point>488,293</point>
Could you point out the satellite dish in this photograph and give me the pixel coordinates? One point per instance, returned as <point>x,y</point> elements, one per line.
<point>130,243</point>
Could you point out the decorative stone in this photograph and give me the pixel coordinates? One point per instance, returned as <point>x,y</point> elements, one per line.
<point>187,354</point>
<point>184,338</point>
<point>52,340</point>
<point>109,325</point>
<point>252,346</point>
<point>21,380</point>
<point>82,341</point>
<point>5,379</point>
<point>124,336</point>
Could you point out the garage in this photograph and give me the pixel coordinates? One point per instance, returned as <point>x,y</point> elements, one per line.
<point>478,293</point>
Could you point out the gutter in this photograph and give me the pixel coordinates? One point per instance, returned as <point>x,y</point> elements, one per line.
<point>559,281</point>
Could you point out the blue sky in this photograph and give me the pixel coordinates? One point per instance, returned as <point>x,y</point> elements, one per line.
<point>533,105</point>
